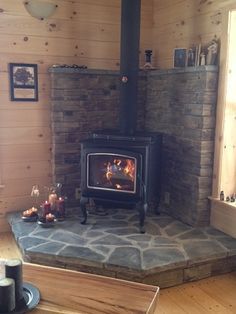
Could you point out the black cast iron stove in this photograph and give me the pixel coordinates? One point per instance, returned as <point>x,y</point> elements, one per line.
<point>123,166</point>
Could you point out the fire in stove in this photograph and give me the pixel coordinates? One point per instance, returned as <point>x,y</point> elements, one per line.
<point>112,172</point>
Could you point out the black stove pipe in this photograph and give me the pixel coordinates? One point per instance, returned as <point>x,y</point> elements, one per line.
<point>129,64</point>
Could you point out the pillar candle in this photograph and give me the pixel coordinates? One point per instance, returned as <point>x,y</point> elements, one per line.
<point>46,208</point>
<point>61,207</point>
<point>7,295</point>
<point>13,269</point>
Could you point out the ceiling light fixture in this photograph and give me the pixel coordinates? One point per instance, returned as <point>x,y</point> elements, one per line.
<point>39,9</point>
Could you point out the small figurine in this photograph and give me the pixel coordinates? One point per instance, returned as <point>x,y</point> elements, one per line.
<point>202,58</point>
<point>222,196</point>
<point>212,52</point>
<point>227,199</point>
<point>232,198</point>
<point>148,63</point>
<point>191,57</point>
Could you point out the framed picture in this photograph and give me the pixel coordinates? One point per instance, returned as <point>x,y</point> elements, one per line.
<point>180,57</point>
<point>23,81</point>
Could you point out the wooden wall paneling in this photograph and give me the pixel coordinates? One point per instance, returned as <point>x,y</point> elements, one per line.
<point>44,62</point>
<point>183,23</point>
<point>228,180</point>
<point>21,152</point>
<point>27,135</point>
<point>76,29</point>
<point>224,139</point>
<point>204,23</point>
<point>15,186</point>
<point>26,169</point>
<point>7,104</point>
<point>4,227</point>
<point>20,118</point>
<point>202,6</point>
<point>59,47</point>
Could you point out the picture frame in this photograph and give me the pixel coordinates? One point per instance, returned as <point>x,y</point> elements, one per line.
<point>180,57</point>
<point>23,81</point>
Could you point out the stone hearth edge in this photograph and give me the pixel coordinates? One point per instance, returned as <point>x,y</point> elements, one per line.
<point>168,254</point>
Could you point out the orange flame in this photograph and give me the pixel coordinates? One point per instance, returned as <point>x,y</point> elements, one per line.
<point>115,170</point>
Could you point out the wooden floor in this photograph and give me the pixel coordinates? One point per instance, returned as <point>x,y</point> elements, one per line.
<point>213,295</point>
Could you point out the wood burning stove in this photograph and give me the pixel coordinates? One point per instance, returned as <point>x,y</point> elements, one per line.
<point>123,167</point>
<point>121,170</point>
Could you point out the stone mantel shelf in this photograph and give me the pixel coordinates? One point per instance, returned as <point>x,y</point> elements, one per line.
<point>203,68</point>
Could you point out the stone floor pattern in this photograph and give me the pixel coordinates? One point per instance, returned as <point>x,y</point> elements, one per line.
<point>112,240</point>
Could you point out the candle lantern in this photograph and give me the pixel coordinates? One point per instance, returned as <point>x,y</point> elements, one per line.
<point>53,201</point>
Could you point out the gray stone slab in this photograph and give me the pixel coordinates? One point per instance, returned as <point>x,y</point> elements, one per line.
<point>111,240</point>
<point>82,253</point>
<point>176,228</point>
<point>126,256</point>
<point>104,250</point>
<point>66,237</point>
<point>163,241</point>
<point>214,232</point>
<point>163,221</point>
<point>192,235</point>
<point>28,242</point>
<point>229,243</point>
<point>140,238</point>
<point>123,231</point>
<point>43,233</point>
<point>202,250</point>
<point>111,224</point>
<point>162,257</point>
<point>48,248</point>
<point>94,234</point>
<point>21,228</point>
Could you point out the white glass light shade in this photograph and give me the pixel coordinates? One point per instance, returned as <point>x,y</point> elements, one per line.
<point>39,9</point>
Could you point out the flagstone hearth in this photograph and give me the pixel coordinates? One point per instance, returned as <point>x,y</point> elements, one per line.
<point>110,244</point>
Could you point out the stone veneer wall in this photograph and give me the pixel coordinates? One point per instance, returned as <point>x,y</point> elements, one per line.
<point>181,103</point>
<point>82,101</point>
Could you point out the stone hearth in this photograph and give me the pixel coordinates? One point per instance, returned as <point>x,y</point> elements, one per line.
<point>170,252</point>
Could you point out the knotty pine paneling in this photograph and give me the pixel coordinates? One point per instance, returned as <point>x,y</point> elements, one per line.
<point>84,32</point>
<point>24,135</point>
<point>21,152</point>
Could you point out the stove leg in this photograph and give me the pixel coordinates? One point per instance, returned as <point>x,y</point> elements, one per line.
<point>83,202</point>
<point>142,214</point>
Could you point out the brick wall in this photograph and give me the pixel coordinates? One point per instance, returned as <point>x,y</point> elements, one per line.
<point>82,101</point>
<point>180,103</point>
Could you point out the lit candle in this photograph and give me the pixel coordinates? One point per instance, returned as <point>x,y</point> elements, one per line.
<point>46,208</point>
<point>61,207</point>
<point>50,217</point>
